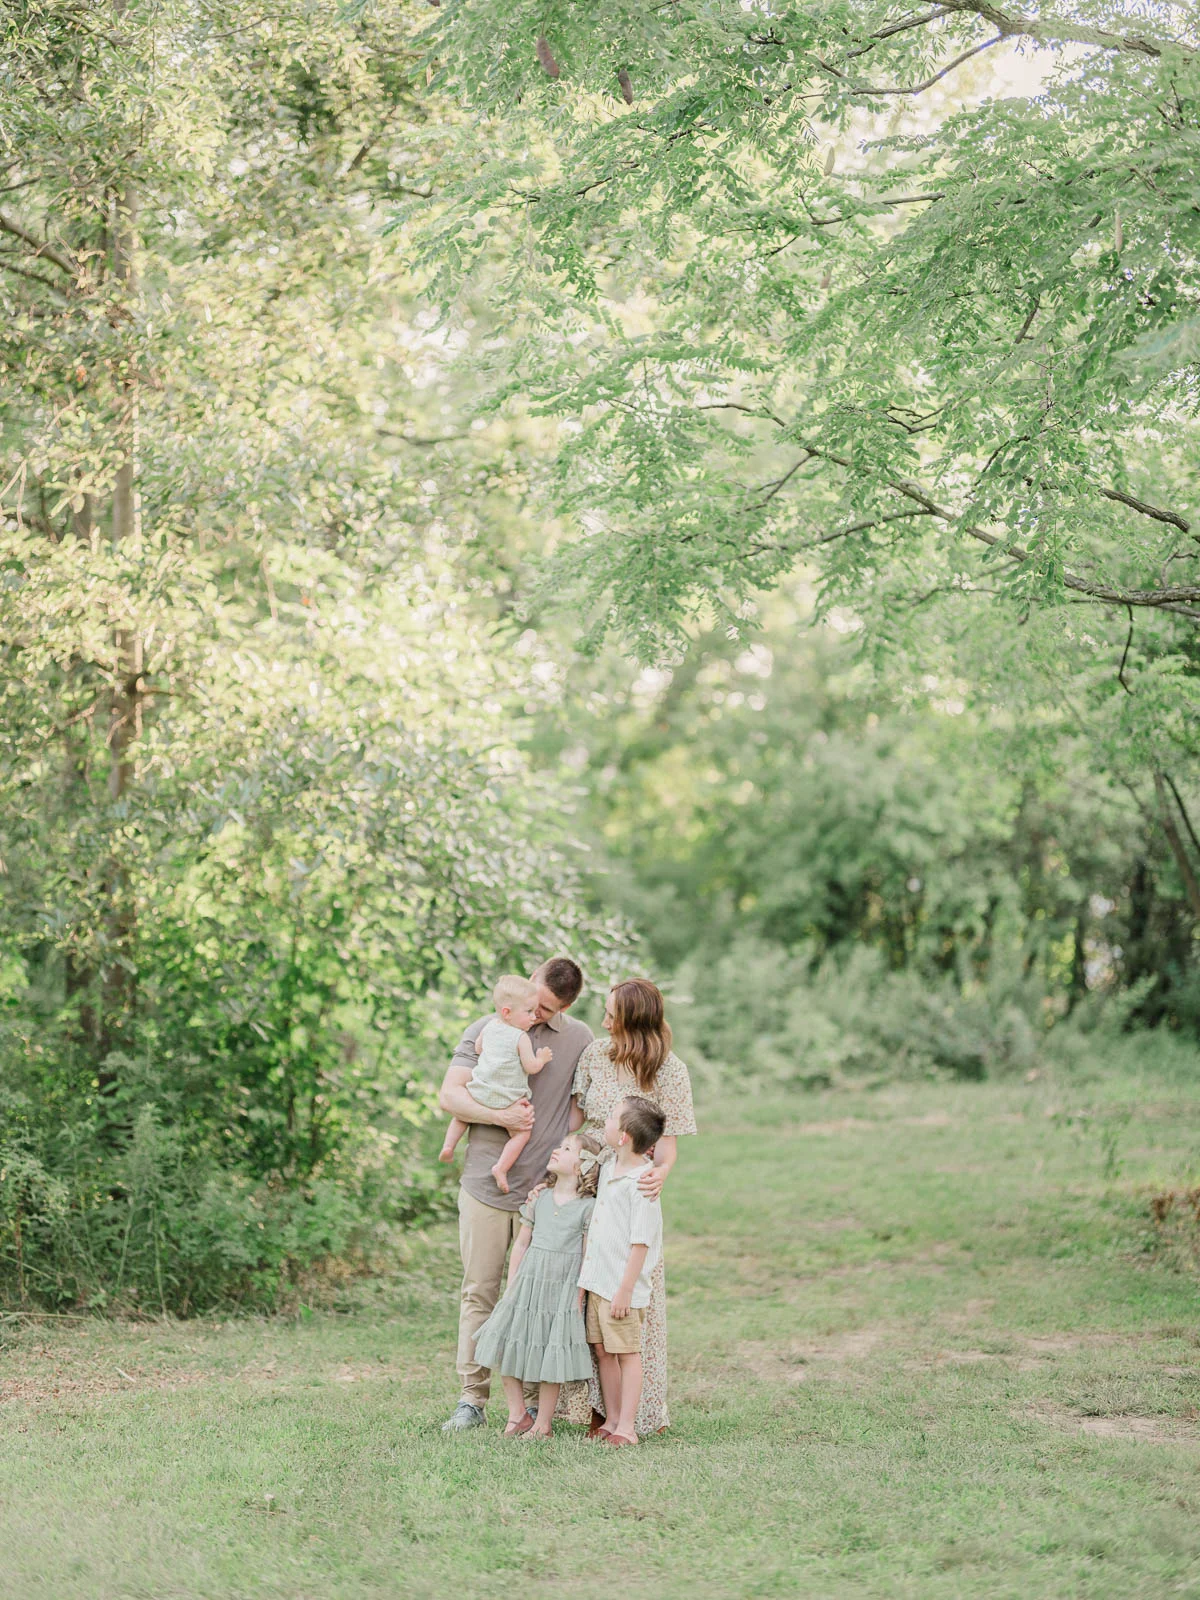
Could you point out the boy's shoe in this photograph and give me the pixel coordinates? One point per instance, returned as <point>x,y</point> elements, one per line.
<point>464,1416</point>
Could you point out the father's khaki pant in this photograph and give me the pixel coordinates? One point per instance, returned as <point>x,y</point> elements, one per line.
<point>484,1237</point>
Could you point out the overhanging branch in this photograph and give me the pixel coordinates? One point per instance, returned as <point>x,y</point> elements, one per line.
<point>1057,30</point>
<point>1148,510</point>
<point>1182,599</point>
<point>40,248</point>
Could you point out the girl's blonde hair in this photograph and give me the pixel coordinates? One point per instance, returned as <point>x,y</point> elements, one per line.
<point>641,1034</point>
<point>589,1179</point>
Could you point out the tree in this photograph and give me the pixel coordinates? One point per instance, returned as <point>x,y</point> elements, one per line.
<point>946,360</point>
<point>265,828</point>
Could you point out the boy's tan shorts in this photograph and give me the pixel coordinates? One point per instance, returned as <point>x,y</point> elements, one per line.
<point>619,1336</point>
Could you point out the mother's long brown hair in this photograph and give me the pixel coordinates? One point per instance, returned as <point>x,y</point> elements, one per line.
<point>641,1034</point>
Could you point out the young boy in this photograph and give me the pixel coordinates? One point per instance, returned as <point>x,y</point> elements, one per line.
<point>624,1244</point>
<point>505,1061</point>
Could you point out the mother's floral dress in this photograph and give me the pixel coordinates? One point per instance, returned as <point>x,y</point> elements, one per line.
<point>598,1086</point>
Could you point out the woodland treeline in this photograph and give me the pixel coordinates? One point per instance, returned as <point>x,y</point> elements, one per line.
<point>710,488</point>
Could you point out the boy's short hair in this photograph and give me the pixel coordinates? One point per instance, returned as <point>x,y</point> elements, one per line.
<point>642,1121</point>
<point>513,990</point>
<point>562,977</point>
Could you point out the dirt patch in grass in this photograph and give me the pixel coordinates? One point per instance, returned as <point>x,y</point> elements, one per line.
<point>830,1130</point>
<point>44,1388</point>
<point>1148,1430</point>
<point>800,1360</point>
<point>966,1358</point>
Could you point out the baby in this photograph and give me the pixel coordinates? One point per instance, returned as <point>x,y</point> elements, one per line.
<point>506,1059</point>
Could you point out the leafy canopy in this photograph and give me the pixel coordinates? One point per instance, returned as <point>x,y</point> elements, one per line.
<point>786,312</point>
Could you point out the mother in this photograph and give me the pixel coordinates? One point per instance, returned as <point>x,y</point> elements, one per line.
<point>637,1059</point>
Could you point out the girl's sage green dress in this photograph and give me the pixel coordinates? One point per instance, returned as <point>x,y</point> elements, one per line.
<point>536,1332</point>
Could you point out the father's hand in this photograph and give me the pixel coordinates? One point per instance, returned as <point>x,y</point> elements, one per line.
<point>651,1182</point>
<point>517,1118</point>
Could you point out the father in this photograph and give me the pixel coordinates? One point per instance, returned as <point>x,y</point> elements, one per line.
<point>488,1221</point>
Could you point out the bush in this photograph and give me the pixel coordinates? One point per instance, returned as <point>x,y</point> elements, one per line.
<point>142,1221</point>
<point>762,1014</point>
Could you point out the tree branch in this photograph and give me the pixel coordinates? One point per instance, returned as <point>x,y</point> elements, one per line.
<point>1125,654</point>
<point>899,27</point>
<point>1146,510</point>
<point>1028,323</point>
<point>39,247</point>
<point>861,527</point>
<point>1186,871</point>
<point>37,277</point>
<point>919,88</point>
<point>1053,30</point>
<point>1183,812</point>
<point>1182,599</point>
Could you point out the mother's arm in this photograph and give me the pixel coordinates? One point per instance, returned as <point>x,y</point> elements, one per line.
<point>674,1090</point>
<point>665,1153</point>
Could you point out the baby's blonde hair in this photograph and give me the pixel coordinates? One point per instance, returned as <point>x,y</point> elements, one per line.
<point>513,990</point>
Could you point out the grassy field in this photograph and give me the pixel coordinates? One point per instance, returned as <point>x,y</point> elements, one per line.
<point>923,1345</point>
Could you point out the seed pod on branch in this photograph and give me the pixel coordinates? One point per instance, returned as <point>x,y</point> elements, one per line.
<point>626,86</point>
<point>830,158</point>
<point>1118,233</point>
<point>546,56</point>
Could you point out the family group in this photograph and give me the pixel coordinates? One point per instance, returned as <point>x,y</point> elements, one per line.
<point>569,1142</point>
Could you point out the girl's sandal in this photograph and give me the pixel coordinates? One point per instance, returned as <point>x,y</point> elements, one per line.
<point>599,1435</point>
<point>616,1441</point>
<point>514,1428</point>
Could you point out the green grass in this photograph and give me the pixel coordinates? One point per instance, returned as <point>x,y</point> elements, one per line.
<point>922,1346</point>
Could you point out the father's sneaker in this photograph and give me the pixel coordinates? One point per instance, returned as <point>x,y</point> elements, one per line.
<point>465,1416</point>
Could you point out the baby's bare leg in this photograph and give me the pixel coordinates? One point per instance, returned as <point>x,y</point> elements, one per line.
<point>453,1134</point>
<point>508,1155</point>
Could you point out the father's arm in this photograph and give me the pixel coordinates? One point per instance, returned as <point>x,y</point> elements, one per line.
<point>456,1102</point>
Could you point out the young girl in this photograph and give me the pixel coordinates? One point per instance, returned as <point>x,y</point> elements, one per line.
<point>505,1060</point>
<point>536,1333</point>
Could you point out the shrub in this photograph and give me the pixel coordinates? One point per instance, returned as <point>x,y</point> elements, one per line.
<point>761,1014</point>
<point>147,1222</point>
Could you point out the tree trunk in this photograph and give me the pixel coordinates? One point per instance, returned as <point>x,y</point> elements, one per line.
<point>125,706</point>
<point>1078,960</point>
<point>1187,872</point>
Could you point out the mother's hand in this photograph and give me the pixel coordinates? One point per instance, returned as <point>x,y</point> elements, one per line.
<point>652,1180</point>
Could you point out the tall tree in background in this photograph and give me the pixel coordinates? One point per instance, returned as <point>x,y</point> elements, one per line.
<point>263,819</point>
<point>949,361</point>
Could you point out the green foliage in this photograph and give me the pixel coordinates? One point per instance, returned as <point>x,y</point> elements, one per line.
<point>795,306</point>
<point>266,834</point>
<point>769,341</point>
<point>783,793</point>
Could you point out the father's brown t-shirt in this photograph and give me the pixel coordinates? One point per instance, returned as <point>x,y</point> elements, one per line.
<point>550,1091</point>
